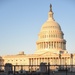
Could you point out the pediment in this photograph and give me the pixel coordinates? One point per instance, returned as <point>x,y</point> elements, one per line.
<point>48,54</point>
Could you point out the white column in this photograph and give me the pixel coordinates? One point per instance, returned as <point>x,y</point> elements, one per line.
<point>37,61</point>
<point>53,44</point>
<point>29,61</point>
<point>42,45</point>
<point>49,45</point>
<point>32,61</point>
<point>46,44</point>
<point>57,44</point>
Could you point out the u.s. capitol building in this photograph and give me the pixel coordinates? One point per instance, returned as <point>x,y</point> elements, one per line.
<point>50,47</point>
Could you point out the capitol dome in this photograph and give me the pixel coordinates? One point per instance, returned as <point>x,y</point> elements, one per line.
<point>51,37</point>
<point>50,26</point>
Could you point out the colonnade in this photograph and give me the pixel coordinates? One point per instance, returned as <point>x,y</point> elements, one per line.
<point>51,45</point>
<point>52,61</point>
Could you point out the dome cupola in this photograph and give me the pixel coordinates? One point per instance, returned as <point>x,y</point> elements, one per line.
<point>51,37</point>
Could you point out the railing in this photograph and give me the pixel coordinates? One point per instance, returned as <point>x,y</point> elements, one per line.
<point>38,69</point>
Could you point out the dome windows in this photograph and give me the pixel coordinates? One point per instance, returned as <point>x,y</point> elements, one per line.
<point>50,36</point>
<point>50,27</point>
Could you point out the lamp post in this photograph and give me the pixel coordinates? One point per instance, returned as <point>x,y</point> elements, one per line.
<point>48,68</point>
<point>14,69</point>
<point>71,62</point>
<point>60,60</point>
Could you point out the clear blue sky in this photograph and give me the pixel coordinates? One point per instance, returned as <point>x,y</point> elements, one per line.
<point>21,21</point>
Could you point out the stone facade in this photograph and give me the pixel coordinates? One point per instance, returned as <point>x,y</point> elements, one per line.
<point>51,48</point>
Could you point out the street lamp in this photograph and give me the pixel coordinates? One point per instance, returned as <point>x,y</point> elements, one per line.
<point>60,60</point>
<point>48,68</point>
<point>71,62</point>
